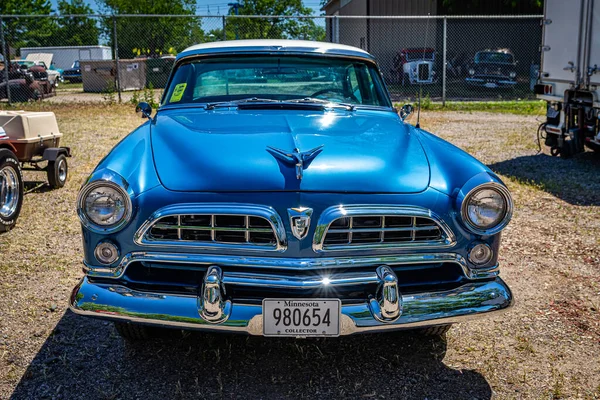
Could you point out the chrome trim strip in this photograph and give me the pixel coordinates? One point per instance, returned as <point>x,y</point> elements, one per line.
<point>116,302</point>
<point>253,210</point>
<point>299,264</point>
<point>298,281</point>
<point>333,213</point>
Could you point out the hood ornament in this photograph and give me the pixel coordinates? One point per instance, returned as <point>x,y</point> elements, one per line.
<point>300,221</point>
<point>298,158</point>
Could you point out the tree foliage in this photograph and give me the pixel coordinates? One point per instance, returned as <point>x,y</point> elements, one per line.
<point>274,27</point>
<point>76,31</point>
<point>152,36</point>
<point>30,32</point>
<point>42,32</point>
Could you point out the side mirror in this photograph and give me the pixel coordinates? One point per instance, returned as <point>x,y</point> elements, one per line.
<point>405,111</point>
<point>144,110</point>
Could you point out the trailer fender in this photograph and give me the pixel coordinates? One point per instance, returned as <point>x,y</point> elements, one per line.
<point>51,153</point>
<point>9,146</point>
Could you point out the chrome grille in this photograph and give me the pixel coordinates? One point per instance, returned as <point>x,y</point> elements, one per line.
<point>423,72</point>
<point>355,227</point>
<point>214,228</point>
<point>230,226</point>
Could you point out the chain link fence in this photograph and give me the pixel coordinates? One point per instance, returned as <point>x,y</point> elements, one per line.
<point>448,58</point>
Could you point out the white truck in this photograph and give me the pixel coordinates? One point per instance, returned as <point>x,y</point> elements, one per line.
<point>569,76</point>
<point>65,56</point>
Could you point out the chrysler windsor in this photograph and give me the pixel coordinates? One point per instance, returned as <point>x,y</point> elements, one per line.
<point>276,191</point>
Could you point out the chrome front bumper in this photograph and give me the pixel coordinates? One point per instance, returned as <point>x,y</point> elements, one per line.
<point>211,310</point>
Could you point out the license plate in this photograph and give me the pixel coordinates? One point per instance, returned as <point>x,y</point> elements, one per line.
<point>491,85</point>
<point>301,317</point>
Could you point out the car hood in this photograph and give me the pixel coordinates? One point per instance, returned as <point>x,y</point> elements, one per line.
<point>228,150</point>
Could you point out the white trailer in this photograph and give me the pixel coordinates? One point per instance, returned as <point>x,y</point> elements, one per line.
<point>569,75</point>
<point>65,56</point>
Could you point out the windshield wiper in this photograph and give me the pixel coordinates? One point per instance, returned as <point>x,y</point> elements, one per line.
<point>308,100</point>
<point>256,102</point>
<point>235,103</point>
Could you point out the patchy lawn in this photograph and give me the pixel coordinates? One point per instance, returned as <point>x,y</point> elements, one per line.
<point>547,346</point>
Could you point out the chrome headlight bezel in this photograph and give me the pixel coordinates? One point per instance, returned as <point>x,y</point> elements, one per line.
<point>91,225</point>
<point>500,189</point>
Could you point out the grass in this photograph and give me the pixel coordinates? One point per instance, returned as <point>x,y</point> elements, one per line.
<point>519,107</point>
<point>549,257</point>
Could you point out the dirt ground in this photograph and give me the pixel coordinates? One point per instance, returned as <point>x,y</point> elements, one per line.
<point>547,346</point>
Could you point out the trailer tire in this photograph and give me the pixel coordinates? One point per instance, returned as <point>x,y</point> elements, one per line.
<point>565,150</point>
<point>11,190</point>
<point>57,172</point>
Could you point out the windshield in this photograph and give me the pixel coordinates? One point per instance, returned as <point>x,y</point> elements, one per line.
<point>492,57</point>
<point>276,77</point>
<point>417,55</point>
<point>75,64</point>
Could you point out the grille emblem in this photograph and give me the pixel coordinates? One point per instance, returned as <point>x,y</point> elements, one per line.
<point>300,221</point>
<point>300,159</point>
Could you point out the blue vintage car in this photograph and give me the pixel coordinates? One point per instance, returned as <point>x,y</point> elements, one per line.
<point>277,192</point>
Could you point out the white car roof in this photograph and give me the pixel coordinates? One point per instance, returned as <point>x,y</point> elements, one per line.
<point>274,45</point>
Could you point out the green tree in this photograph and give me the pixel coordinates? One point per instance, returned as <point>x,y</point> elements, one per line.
<point>273,27</point>
<point>76,31</point>
<point>152,36</point>
<point>27,32</point>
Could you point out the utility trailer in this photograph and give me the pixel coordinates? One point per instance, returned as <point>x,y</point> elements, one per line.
<point>28,141</point>
<point>569,76</point>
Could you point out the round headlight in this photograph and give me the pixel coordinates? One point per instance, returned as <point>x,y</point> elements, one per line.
<point>487,209</point>
<point>512,74</point>
<point>471,71</point>
<point>104,206</point>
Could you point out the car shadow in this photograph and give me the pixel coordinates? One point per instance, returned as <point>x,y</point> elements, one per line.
<point>85,358</point>
<point>575,180</point>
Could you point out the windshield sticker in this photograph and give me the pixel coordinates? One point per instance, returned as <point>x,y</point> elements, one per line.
<point>178,92</point>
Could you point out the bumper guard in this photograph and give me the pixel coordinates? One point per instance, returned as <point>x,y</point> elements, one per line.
<point>212,310</point>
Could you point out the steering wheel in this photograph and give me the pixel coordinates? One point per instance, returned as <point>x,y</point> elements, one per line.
<point>335,90</point>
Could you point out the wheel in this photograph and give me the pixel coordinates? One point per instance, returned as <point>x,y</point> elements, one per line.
<point>440,330</point>
<point>57,171</point>
<point>11,190</point>
<point>132,332</point>
<point>565,150</point>
<point>37,94</point>
<point>136,332</point>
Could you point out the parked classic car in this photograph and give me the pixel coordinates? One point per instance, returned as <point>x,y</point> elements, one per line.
<point>300,206</point>
<point>493,69</point>
<point>73,74</point>
<point>415,65</point>
<point>43,62</point>
<point>28,141</point>
<point>25,83</point>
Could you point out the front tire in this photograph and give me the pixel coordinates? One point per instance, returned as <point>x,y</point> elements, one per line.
<point>440,330</point>
<point>132,332</point>
<point>11,190</point>
<point>57,172</point>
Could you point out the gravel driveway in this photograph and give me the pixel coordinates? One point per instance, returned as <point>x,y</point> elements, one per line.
<point>547,346</point>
